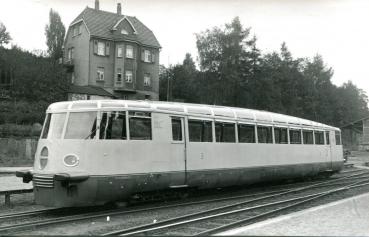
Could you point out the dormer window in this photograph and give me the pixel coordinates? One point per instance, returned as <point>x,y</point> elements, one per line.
<point>124,32</point>
<point>101,48</point>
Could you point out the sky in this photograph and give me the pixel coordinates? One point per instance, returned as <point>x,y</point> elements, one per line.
<point>336,29</point>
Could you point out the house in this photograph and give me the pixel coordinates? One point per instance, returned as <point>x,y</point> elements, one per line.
<point>111,55</point>
<point>355,135</point>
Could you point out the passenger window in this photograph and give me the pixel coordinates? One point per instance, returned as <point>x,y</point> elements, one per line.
<point>319,137</point>
<point>225,132</point>
<point>140,126</point>
<point>280,135</point>
<point>327,137</point>
<point>113,126</point>
<point>307,137</point>
<point>200,131</point>
<point>46,127</point>
<point>265,134</point>
<point>246,133</point>
<point>338,138</point>
<point>295,136</point>
<point>177,129</point>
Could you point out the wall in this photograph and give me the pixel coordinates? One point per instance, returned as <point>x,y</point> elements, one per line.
<point>17,152</point>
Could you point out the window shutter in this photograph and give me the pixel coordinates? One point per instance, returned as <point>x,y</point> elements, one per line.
<point>152,57</point>
<point>107,48</point>
<point>95,46</point>
<point>142,54</point>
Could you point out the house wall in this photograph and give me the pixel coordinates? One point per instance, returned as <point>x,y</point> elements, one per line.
<point>81,54</point>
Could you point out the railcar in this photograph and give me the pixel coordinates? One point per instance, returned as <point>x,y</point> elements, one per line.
<point>94,152</point>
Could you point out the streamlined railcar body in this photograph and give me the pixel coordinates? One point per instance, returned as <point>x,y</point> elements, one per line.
<point>94,152</point>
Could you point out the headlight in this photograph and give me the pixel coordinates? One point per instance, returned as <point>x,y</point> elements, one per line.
<point>44,156</point>
<point>71,160</point>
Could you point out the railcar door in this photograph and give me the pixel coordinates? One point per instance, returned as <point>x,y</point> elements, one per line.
<point>178,144</point>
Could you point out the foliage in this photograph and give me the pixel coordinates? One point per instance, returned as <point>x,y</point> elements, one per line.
<point>4,35</point>
<point>55,32</point>
<point>233,72</point>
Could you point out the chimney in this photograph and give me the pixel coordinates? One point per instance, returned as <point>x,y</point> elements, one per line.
<point>119,9</point>
<point>97,5</point>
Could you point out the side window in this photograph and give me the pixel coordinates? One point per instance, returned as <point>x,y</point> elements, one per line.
<point>113,126</point>
<point>177,129</point>
<point>295,136</point>
<point>338,137</point>
<point>46,126</point>
<point>307,136</point>
<point>265,134</point>
<point>200,131</point>
<point>280,135</point>
<point>246,133</point>
<point>225,132</point>
<point>319,137</point>
<point>327,137</point>
<point>140,126</point>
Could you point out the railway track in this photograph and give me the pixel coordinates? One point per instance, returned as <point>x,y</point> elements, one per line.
<point>358,176</point>
<point>201,223</point>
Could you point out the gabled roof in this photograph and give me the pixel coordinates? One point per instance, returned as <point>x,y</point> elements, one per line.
<point>101,23</point>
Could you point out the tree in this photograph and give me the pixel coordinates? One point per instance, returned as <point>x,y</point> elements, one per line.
<point>4,35</point>
<point>55,32</point>
<point>222,52</point>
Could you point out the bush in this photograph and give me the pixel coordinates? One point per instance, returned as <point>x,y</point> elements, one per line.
<point>17,130</point>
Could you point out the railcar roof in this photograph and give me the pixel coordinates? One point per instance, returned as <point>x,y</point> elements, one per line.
<point>202,110</point>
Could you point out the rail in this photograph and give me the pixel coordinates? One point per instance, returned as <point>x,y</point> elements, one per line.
<point>8,193</point>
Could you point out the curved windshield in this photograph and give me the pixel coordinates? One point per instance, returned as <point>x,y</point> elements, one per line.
<point>81,125</point>
<point>53,127</point>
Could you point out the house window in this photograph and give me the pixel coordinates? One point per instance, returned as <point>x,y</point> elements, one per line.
<point>101,48</point>
<point>147,79</point>
<point>124,32</point>
<point>70,54</point>
<point>120,51</point>
<point>147,55</point>
<point>129,76</point>
<point>129,51</point>
<point>119,76</point>
<point>77,29</point>
<point>100,73</point>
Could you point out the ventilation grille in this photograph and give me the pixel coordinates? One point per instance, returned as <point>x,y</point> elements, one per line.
<point>43,181</point>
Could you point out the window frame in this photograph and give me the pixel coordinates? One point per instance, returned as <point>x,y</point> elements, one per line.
<point>287,134</point>
<point>182,119</point>
<point>204,120</point>
<point>131,56</point>
<point>147,75</point>
<point>238,132</point>
<point>119,51</point>
<point>100,71</point>
<point>271,129</point>
<point>315,140</point>
<point>226,122</point>
<point>101,46</point>
<point>303,136</point>
<point>139,116</point>
<point>131,76</point>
